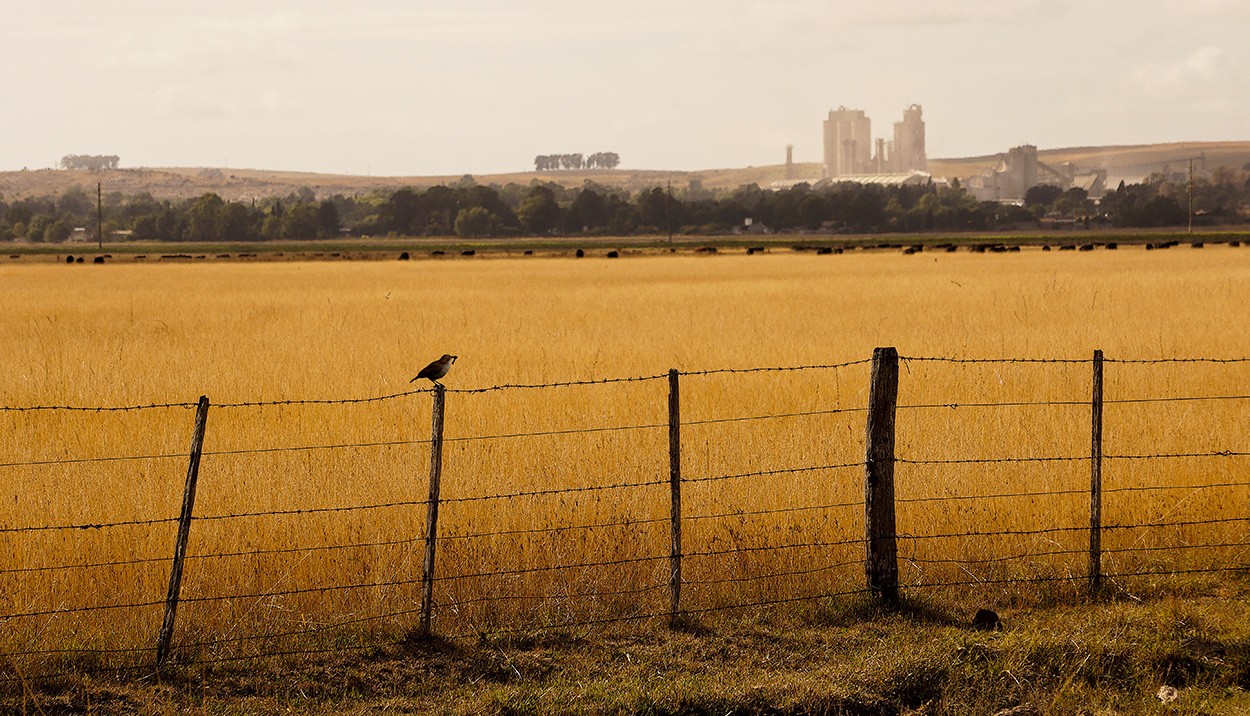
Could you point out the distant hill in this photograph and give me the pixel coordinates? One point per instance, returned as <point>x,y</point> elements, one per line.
<point>1129,163</point>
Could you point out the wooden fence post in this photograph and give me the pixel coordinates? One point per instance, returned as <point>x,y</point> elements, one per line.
<point>431,514</point>
<point>674,476</point>
<point>881,563</point>
<point>1095,481</point>
<point>184,532</point>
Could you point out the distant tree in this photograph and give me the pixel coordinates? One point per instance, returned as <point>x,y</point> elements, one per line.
<point>74,201</point>
<point>476,222</point>
<point>539,213</point>
<point>59,231</point>
<point>301,221</point>
<point>18,213</point>
<point>489,199</point>
<point>400,212</point>
<point>89,162</point>
<point>1042,195</point>
<point>204,218</point>
<point>588,212</point>
<point>328,221</point>
<point>144,228</point>
<point>236,223</point>
<point>38,226</point>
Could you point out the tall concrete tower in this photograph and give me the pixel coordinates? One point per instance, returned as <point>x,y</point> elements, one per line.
<point>909,150</point>
<point>848,142</point>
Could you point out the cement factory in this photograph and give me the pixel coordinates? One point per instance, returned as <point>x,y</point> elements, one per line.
<point>852,154</point>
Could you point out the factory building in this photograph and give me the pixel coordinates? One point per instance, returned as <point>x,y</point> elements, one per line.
<point>850,149</point>
<point>1019,170</point>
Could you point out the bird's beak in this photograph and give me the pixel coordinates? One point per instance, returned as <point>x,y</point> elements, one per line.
<point>453,358</point>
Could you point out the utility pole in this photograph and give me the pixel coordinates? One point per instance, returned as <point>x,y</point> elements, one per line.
<point>1189,189</point>
<point>668,211</point>
<point>99,214</point>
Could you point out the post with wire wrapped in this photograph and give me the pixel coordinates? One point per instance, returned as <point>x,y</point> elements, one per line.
<point>881,561</point>
<point>1095,481</point>
<point>184,533</point>
<point>674,474</point>
<point>431,514</point>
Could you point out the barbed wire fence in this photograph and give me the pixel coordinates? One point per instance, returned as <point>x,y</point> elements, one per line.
<point>879,544</point>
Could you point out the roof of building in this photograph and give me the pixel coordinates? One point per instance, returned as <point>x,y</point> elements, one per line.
<point>911,178</point>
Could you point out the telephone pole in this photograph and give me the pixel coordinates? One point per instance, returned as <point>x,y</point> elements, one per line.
<point>99,214</point>
<point>1189,189</point>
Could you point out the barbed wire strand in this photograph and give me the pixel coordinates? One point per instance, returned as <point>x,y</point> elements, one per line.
<point>768,473</point>
<point>93,409</point>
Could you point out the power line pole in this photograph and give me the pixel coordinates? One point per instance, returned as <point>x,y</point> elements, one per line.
<point>668,211</point>
<point>1189,189</point>
<point>99,214</point>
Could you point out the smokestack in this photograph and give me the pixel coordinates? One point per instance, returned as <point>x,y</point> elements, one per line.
<point>789,161</point>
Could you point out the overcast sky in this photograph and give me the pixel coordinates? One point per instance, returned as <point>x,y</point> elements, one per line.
<point>422,87</point>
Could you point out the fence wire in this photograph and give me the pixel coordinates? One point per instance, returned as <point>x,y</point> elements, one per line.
<point>1046,547</point>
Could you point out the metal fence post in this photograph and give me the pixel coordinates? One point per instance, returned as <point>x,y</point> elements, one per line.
<point>184,532</point>
<point>431,515</point>
<point>881,562</point>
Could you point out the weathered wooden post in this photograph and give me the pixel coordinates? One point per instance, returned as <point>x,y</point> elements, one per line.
<point>1095,481</point>
<point>674,476</point>
<point>431,514</point>
<point>184,532</point>
<point>881,563</point>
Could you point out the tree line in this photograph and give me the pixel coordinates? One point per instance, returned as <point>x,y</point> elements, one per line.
<point>568,162</point>
<point>469,209</point>
<point>89,162</point>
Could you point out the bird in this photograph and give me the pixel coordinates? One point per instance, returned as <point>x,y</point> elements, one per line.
<point>437,369</point>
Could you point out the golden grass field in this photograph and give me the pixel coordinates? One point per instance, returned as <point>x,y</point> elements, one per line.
<point>128,334</point>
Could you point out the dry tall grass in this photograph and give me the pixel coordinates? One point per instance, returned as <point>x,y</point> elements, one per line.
<point>138,334</point>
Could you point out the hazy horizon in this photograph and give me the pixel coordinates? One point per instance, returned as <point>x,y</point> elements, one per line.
<point>390,88</point>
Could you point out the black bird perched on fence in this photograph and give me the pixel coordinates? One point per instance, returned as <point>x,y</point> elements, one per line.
<point>437,369</point>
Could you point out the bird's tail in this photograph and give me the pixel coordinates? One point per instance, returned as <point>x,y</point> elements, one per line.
<point>414,379</point>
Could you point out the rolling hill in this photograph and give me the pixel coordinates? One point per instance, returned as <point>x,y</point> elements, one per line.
<point>1129,162</point>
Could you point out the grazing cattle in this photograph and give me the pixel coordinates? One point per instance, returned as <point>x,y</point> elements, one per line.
<point>824,250</point>
<point>69,259</point>
<point>580,253</point>
<point>468,252</point>
<point>613,254</point>
<point>404,256</point>
<point>98,260</point>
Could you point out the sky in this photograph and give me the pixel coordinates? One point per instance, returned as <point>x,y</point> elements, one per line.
<point>424,87</point>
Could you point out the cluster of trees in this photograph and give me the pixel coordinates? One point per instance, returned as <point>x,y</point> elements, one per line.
<point>90,162</point>
<point>472,210</point>
<point>598,160</point>
<point>53,219</point>
<point>1222,197</point>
